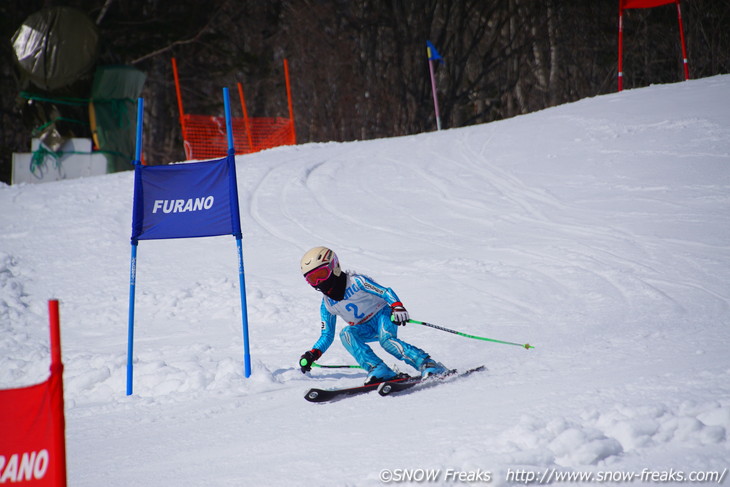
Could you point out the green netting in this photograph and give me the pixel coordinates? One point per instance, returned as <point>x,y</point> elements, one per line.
<point>113,113</point>
<point>112,117</point>
<point>56,52</point>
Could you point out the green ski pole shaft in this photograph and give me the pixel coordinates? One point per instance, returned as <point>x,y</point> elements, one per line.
<point>336,366</point>
<point>525,345</point>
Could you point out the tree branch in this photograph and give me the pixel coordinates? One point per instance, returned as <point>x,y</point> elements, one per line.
<point>102,13</point>
<point>176,43</point>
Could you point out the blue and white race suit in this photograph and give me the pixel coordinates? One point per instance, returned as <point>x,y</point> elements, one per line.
<point>366,309</point>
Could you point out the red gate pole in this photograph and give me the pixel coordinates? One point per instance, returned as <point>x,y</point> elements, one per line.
<point>620,45</point>
<point>59,421</point>
<point>684,46</point>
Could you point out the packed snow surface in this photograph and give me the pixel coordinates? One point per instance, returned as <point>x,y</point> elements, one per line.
<point>597,231</point>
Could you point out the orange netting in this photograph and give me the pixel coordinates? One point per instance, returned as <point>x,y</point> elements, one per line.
<point>204,136</point>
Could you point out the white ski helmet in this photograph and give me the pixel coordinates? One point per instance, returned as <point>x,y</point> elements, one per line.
<point>320,257</point>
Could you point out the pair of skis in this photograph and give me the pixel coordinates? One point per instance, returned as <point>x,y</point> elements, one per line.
<point>387,388</point>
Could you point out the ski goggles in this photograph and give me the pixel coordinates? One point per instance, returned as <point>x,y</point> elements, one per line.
<point>317,276</point>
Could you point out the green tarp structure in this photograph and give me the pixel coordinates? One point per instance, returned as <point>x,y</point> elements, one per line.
<point>65,94</point>
<point>113,113</point>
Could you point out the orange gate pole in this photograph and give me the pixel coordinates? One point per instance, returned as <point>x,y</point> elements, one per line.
<point>291,108</point>
<point>245,119</point>
<point>180,107</point>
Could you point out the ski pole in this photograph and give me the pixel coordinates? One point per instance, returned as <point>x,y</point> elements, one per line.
<point>314,364</point>
<point>526,345</point>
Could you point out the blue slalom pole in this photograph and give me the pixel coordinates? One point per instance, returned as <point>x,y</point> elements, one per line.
<point>239,244</point>
<point>229,123</point>
<point>133,260</point>
<point>130,328</point>
<point>140,118</point>
<point>244,312</point>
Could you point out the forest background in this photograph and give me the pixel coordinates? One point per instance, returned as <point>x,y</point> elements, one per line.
<point>359,68</point>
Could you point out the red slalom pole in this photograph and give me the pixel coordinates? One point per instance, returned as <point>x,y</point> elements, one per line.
<point>56,381</point>
<point>684,45</point>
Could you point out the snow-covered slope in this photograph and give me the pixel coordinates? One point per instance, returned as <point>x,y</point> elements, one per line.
<point>598,231</point>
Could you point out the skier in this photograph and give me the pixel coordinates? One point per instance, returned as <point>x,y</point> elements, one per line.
<point>371,312</point>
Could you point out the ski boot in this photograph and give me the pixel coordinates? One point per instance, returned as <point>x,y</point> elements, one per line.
<point>430,367</point>
<point>380,373</point>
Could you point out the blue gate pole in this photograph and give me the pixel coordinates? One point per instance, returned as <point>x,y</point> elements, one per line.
<point>130,327</point>
<point>244,312</point>
<point>229,124</point>
<point>239,245</point>
<point>133,260</point>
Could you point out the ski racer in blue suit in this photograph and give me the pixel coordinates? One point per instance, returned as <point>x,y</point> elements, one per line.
<point>372,313</point>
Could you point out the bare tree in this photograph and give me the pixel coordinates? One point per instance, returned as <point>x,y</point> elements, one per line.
<point>359,67</point>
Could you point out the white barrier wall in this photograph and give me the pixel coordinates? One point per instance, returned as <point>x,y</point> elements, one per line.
<point>76,161</point>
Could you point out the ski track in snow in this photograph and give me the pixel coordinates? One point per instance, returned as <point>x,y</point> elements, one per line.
<point>596,231</point>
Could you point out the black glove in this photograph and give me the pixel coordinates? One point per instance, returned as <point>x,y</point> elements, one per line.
<point>398,314</point>
<point>307,359</point>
